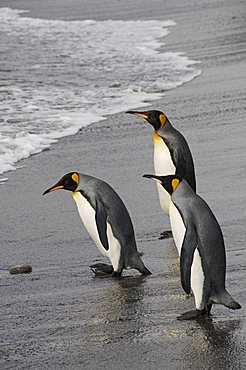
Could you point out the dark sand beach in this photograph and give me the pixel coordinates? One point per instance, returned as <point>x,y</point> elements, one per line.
<point>61,316</point>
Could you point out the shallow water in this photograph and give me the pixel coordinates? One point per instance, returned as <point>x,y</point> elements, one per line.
<point>58,76</point>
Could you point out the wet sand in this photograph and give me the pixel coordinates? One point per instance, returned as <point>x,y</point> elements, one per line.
<point>61,316</point>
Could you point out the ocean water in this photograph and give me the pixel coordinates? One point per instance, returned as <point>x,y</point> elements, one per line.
<point>58,76</point>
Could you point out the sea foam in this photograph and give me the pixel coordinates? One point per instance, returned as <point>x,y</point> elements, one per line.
<point>59,76</point>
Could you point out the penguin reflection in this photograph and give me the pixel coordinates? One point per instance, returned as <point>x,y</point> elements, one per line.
<point>214,344</point>
<point>119,310</point>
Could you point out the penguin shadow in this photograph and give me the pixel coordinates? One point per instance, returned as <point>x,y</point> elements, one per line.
<point>216,343</point>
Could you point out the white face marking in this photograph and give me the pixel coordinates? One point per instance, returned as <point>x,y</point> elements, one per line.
<point>87,215</point>
<point>163,166</point>
<point>197,275</point>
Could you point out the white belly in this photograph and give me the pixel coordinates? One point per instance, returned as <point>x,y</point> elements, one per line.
<point>87,214</point>
<point>197,275</point>
<point>177,225</point>
<point>163,166</point>
<point>197,280</point>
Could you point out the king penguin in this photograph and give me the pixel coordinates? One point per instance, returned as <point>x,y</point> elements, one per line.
<point>200,244</point>
<point>172,154</point>
<point>107,220</point>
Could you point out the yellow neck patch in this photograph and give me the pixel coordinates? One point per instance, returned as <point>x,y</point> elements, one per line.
<point>175,183</point>
<point>162,119</point>
<point>156,137</point>
<point>75,178</point>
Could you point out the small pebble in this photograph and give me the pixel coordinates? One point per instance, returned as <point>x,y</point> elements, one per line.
<point>26,269</point>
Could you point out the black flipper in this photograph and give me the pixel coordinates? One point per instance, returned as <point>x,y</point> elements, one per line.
<point>101,221</point>
<point>180,158</point>
<point>179,161</point>
<point>186,258</point>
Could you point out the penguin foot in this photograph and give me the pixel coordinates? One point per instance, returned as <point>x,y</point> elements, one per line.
<point>101,269</point>
<point>208,309</point>
<point>194,315</point>
<point>116,274</point>
<point>166,234</point>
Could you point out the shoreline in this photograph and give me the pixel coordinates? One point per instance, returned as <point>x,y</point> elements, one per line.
<point>60,315</point>
<point>107,99</point>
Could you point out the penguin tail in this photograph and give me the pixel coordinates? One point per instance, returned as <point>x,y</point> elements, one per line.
<point>226,299</point>
<point>231,303</point>
<point>145,271</point>
<point>138,264</point>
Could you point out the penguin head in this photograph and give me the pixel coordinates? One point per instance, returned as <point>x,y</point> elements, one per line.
<point>169,182</point>
<point>155,117</point>
<point>70,182</point>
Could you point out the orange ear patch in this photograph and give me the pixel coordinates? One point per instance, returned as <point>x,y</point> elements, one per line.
<point>75,177</point>
<point>175,183</point>
<point>162,119</point>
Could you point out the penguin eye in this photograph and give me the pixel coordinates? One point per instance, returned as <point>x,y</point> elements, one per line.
<point>66,182</point>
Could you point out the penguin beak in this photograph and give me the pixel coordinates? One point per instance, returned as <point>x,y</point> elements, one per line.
<point>139,114</point>
<point>153,177</point>
<point>53,188</point>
